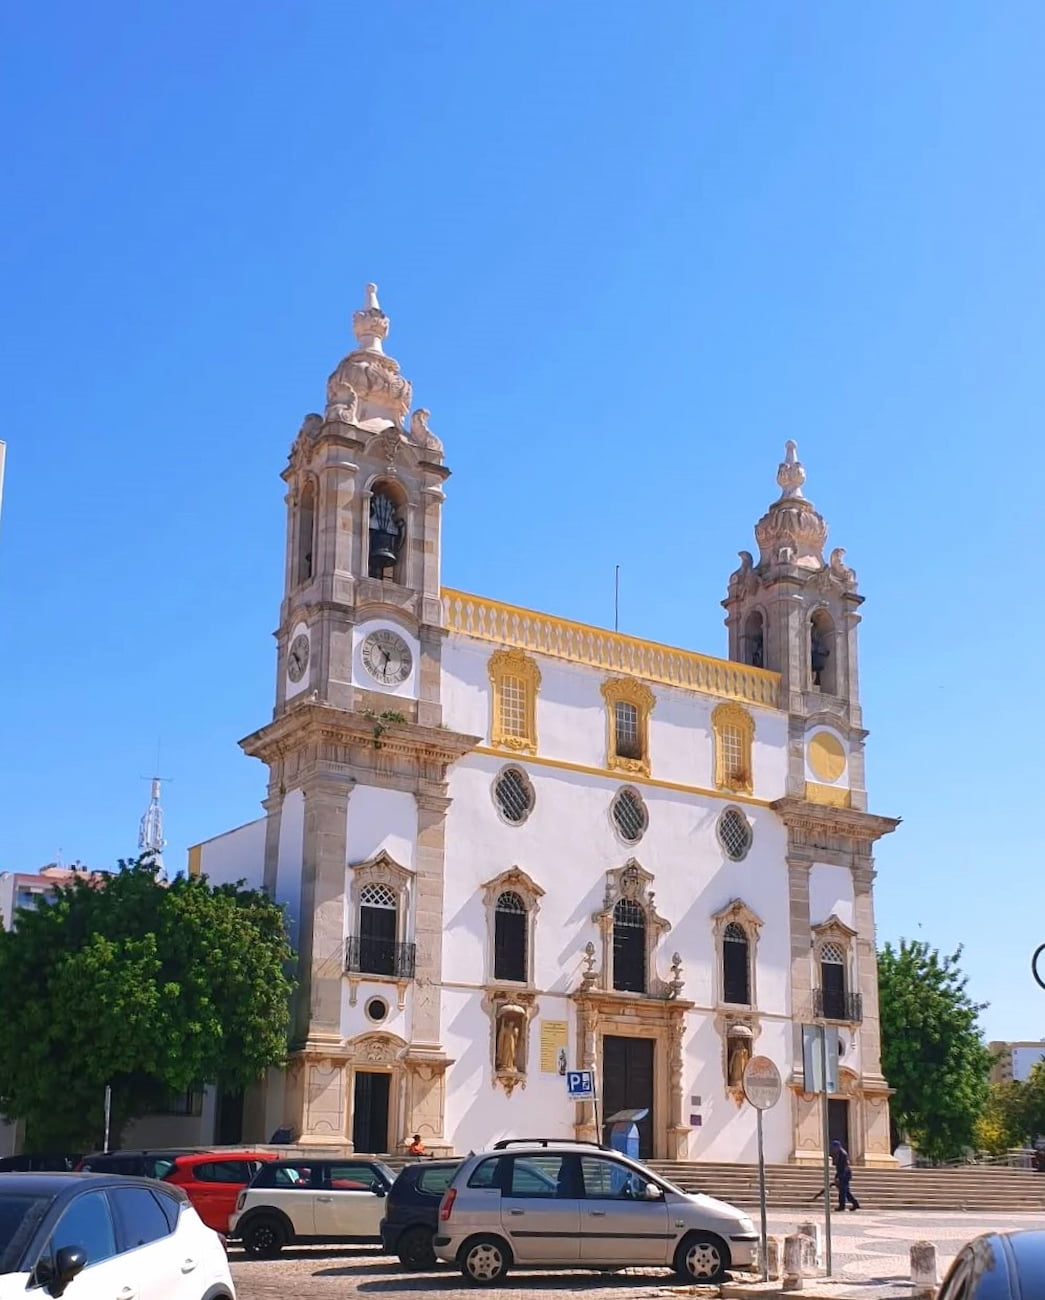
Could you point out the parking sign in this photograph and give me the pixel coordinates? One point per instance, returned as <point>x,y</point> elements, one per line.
<point>580,1085</point>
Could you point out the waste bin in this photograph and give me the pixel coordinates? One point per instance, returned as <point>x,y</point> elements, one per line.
<point>624,1131</point>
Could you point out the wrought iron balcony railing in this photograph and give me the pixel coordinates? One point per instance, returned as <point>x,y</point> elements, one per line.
<point>367,956</point>
<point>831,1004</point>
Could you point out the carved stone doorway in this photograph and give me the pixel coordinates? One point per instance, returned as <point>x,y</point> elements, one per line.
<point>370,1112</point>
<point>627,1084</point>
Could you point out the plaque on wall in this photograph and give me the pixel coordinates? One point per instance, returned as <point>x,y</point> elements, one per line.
<point>554,1039</point>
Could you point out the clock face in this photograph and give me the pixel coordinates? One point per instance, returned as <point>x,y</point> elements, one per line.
<point>297,659</point>
<point>386,657</point>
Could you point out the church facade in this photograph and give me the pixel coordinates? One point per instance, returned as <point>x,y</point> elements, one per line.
<point>512,845</point>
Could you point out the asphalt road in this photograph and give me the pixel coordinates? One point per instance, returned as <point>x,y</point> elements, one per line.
<point>871,1253</point>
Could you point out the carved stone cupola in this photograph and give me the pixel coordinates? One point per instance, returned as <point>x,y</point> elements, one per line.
<point>364,504</point>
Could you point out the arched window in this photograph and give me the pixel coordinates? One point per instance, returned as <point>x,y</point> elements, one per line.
<point>736,966</point>
<point>306,532</point>
<point>378,929</point>
<point>387,531</point>
<point>754,651</point>
<point>510,924</point>
<point>833,981</point>
<point>629,947</point>
<point>734,731</point>
<point>823,662</point>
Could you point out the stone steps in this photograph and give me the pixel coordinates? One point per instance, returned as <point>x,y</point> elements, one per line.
<point>792,1186</point>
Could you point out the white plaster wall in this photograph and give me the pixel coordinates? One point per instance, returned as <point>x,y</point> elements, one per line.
<point>291,856</point>
<point>378,819</point>
<point>571,719</point>
<point>831,894</point>
<point>567,845</point>
<point>236,855</point>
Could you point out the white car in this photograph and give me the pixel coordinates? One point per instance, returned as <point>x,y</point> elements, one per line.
<point>311,1200</point>
<point>105,1237</point>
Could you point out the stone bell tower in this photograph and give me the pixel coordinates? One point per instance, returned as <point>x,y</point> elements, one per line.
<point>356,744</point>
<point>796,614</point>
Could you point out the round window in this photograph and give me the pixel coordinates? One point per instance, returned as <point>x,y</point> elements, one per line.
<point>734,834</point>
<point>513,794</point>
<point>376,1009</point>
<point>629,815</point>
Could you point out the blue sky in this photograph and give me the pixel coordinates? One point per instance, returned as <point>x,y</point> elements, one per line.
<point>627,250</point>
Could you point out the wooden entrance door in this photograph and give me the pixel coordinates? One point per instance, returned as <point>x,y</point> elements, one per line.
<point>627,1084</point>
<point>370,1112</point>
<point>838,1121</point>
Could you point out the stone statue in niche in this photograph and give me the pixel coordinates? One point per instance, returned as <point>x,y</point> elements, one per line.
<point>511,1021</point>
<point>738,1053</point>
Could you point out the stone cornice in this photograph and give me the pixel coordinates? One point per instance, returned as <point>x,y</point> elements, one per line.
<point>810,821</point>
<point>313,721</point>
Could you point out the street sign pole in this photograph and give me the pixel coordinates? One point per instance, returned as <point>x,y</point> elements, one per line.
<point>825,1123</point>
<point>762,1198</point>
<point>108,1115</point>
<point>762,1087</point>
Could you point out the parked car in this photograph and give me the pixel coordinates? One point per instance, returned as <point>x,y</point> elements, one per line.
<point>311,1200</point>
<point>998,1266</point>
<point>136,1164</point>
<point>115,1236</point>
<point>412,1211</point>
<point>589,1208</point>
<point>36,1161</point>
<point>213,1180</point>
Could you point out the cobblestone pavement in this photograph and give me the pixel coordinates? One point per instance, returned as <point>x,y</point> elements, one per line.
<point>870,1261</point>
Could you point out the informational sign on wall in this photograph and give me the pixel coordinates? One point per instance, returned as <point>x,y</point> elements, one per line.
<point>554,1040</point>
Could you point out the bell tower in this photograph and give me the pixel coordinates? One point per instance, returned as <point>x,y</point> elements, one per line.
<point>358,759</point>
<point>364,509</point>
<point>796,614</point>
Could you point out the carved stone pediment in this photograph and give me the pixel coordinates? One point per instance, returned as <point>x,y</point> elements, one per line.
<point>381,869</point>
<point>737,910</point>
<point>377,1049</point>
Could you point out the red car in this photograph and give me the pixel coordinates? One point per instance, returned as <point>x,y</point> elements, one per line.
<point>212,1181</point>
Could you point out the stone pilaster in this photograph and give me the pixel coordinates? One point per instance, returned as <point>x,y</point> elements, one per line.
<point>322,937</point>
<point>429,867</point>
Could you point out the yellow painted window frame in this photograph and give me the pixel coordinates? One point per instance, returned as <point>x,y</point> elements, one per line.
<point>504,666</point>
<point>625,690</point>
<point>738,778</point>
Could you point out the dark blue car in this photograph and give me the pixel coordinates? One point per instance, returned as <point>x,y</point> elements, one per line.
<point>998,1266</point>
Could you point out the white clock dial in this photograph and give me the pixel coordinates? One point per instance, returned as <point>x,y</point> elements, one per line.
<point>386,657</point>
<point>297,657</point>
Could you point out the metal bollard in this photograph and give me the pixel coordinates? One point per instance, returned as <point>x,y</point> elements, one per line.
<point>924,1277</point>
<point>814,1255</point>
<point>775,1256</point>
<point>795,1249</point>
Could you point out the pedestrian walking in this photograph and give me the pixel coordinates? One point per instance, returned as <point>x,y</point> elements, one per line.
<point>843,1177</point>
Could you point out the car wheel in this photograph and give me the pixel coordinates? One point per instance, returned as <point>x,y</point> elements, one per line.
<point>702,1258</point>
<point>264,1238</point>
<point>485,1261</point>
<point>415,1248</point>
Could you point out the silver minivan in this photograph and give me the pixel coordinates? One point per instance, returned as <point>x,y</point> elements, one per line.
<point>559,1204</point>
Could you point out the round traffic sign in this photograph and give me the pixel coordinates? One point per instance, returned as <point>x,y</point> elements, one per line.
<point>762,1085</point>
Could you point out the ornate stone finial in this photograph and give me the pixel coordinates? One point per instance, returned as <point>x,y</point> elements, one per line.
<point>421,433</point>
<point>370,324</point>
<point>588,975</point>
<point>791,473</point>
<point>675,984</point>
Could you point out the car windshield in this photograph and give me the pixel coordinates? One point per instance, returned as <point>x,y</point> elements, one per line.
<point>19,1216</point>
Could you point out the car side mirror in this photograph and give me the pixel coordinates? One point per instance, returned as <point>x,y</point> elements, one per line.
<point>377,1188</point>
<point>653,1192</point>
<point>56,1276</point>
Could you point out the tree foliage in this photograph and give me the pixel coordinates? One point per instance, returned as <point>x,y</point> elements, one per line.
<point>1014,1115</point>
<point>933,1052</point>
<point>153,989</point>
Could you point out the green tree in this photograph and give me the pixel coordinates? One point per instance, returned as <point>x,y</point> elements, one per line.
<point>1001,1123</point>
<point>153,989</point>
<point>933,1052</point>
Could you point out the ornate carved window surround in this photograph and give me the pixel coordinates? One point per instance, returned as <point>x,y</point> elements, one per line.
<point>513,881</point>
<point>382,869</point>
<point>837,1001</point>
<point>631,883</point>
<point>634,696</point>
<point>736,912</point>
<point>734,732</point>
<point>515,680</point>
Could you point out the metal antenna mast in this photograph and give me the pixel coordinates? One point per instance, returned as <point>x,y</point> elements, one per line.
<point>150,831</point>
